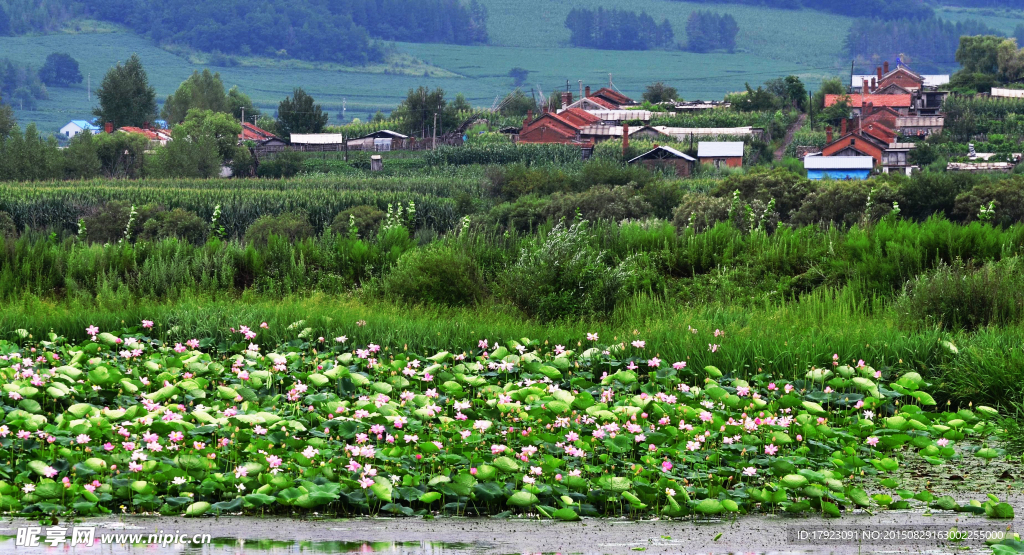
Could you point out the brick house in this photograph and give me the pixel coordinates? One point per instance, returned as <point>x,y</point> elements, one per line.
<point>550,127</point>
<point>661,157</point>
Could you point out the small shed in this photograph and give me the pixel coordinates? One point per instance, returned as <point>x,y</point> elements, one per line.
<point>721,154</point>
<point>838,167</point>
<point>661,157</point>
<point>379,141</point>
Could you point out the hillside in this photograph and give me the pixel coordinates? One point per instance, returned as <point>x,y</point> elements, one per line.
<point>528,34</point>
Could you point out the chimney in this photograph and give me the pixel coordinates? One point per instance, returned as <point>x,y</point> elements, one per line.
<point>625,139</point>
<point>864,89</point>
<point>108,127</point>
<point>565,100</point>
<point>869,108</point>
<point>570,96</point>
<point>885,67</point>
<point>145,125</point>
<point>586,92</point>
<point>842,127</point>
<point>828,134</point>
<point>879,70</point>
<point>874,85</point>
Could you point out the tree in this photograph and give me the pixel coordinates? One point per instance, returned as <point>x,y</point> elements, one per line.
<point>218,125</point>
<point>418,109</point>
<point>517,104</point>
<point>125,95</point>
<point>239,102</point>
<point>5,23</point>
<point>707,31</point>
<point>60,70</point>
<point>1018,33</point>
<point>660,92</point>
<point>790,90</point>
<point>833,85</point>
<point>81,157</point>
<point>979,54</point>
<point>754,100</point>
<point>201,91</point>
<point>7,120</point>
<point>299,114</point>
<point>122,155</point>
<point>836,112</point>
<point>518,76</point>
<point>1011,61</point>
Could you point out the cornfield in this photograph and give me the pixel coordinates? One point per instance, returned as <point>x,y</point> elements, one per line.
<point>529,154</point>
<point>59,205</point>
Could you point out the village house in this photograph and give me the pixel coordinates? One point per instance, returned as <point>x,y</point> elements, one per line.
<point>662,157</point>
<point>550,127</point>
<point>157,137</point>
<point>252,133</point>
<point>721,154</point>
<point>926,99</point>
<point>77,126</point>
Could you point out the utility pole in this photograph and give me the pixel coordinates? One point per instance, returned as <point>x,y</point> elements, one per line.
<point>609,80</point>
<point>580,81</point>
<point>433,145</point>
<point>88,87</point>
<point>243,116</point>
<point>343,107</point>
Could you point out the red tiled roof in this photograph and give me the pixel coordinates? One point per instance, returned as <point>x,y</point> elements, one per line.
<point>603,102</point>
<point>151,134</point>
<point>252,133</point>
<point>613,96</point>
<point>578,118</point>
<point>897,100</point>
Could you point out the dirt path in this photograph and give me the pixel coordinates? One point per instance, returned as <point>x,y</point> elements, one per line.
<point>789,137</point>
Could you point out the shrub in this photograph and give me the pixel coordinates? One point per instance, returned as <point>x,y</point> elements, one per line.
<point>7,226</point>
<point>107,225</point>
<point>599,203</point>
<point>292,226</point>
<point>438,274</point>
<point>663,196</point>
<point>957,296</point>
<point>179,223</point>
<point>523,215</point>
<point>367,219</point>
<point>563,276</point>
<point>1006,195</point>
<point>928,193</point>
<point>787,189</point>
<point>702,211</point>
<point>287,163</point>
<point>838,202</point>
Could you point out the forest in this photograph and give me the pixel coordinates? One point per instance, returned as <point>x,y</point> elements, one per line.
<point>912,9</point>
<point>923,41</point>
<point>341,31</point>
<point>617,30</point>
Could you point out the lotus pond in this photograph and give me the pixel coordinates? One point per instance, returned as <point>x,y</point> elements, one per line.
<point>128,423</point>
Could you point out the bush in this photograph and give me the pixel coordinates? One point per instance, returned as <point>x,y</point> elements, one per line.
<point>367,220</point>
<point>108,224</point>
<point>7,226</point>
<point>438,274</point>
<point>957,296</point>
<point>702,211</point>
<point>563,276</point>
<point>928,193</point>
<point>523,215</point>
<point>599,203</point>
<point>292,226</point>
<point>287,163</point>
<point>185,225</point>
<point>1007,197</point>
<point>787,188</point>
<point>838,202</point>
<point>663,196</point>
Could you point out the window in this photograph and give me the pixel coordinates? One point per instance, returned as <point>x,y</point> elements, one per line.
<point>719,162</point>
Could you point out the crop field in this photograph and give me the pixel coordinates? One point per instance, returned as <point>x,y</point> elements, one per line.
<point>596,428</point>
<point>795,36</point>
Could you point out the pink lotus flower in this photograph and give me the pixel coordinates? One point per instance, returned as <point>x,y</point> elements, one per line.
<point>679,365</point>
<point>771,449</point>
<point>872,441</point>
<point>749,471</point>
<point>666,466</point>
<point>134,467</point>
<point>639,344</point>
<point>942,442</point>
<point>591,337</point>
<point>92,330</point>
<point>82,439</point>
<point>654,362</point>
<point>365,482</point>
<point>273,461</point>
<point>147,324</point>
<point>713,348</point>
<point>241,472</point>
